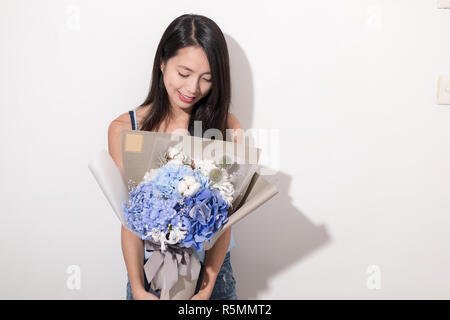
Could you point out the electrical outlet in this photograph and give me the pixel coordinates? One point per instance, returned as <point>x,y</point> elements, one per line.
<point>443,91</point>
<point>443,4</point>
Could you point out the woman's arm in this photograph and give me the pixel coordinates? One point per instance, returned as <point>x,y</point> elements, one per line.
<point>132,246</point>
<point>213,262</point>
<point>215,256</point>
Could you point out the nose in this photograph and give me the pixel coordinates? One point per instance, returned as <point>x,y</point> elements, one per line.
<point>192,87</point>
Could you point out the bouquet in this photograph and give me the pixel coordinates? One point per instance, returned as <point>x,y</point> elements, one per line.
<point>175,209</point>
<point>184,202</point>
<point>179,200</point>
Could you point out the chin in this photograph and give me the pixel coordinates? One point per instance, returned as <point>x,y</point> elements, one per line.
<point>185,107</point>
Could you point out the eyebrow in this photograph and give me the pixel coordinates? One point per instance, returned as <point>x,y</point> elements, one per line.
<point>180,65</point>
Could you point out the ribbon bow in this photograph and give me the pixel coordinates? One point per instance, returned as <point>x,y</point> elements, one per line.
<point>172,261</point>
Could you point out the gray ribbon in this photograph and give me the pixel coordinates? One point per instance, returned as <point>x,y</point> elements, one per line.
<point>173,261</point>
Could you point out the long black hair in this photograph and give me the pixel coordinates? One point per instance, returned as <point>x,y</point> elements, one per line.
<point>198,31</point>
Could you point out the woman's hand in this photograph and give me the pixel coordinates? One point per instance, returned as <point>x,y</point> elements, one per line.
<point>144,295</point>
<point>201,295</point>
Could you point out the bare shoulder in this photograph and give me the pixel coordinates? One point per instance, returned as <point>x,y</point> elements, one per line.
<point>115,129</point>
<point>123,122</point>
<point>120,123</point>
<point>233,122</point>
<point>234,125</point>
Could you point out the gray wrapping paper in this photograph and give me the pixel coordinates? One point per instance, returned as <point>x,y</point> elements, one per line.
<point>164,267</point>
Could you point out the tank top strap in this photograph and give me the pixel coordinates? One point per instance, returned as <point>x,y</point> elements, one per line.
<point>133,119</point>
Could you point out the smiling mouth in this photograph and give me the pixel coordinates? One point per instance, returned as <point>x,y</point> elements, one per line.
<point>185,98</point>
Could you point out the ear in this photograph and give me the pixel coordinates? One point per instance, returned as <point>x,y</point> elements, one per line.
<point>162,66</point>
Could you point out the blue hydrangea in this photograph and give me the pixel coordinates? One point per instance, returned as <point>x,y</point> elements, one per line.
<point>206,212</point>
<point>158,204</point>
<point>147,209</point>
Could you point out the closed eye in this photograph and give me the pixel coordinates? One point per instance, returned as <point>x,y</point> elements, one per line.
<point>186,75</point>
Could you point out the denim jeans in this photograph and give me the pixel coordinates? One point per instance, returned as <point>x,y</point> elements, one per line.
<point>224,287</point>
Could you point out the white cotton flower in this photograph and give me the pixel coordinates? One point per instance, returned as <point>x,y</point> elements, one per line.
<point>193,189</point>
<point>188,186</point>
<point>182,186</point>
<point>172,152</point>
<point>176,156</point>
<point>190,180</point>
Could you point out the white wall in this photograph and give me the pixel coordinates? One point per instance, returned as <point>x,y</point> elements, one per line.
<point>362,161</point>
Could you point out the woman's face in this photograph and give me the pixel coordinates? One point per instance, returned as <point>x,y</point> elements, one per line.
<point>187,77</point>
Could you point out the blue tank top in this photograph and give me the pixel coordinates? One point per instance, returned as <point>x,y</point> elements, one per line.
<point>200,254</point>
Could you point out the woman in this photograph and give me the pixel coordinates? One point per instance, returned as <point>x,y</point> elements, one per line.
<point>190,82</point>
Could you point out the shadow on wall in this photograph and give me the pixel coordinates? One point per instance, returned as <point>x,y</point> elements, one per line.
<point>277,235</point>
<point>241,84</point>
<point>272,239</point>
